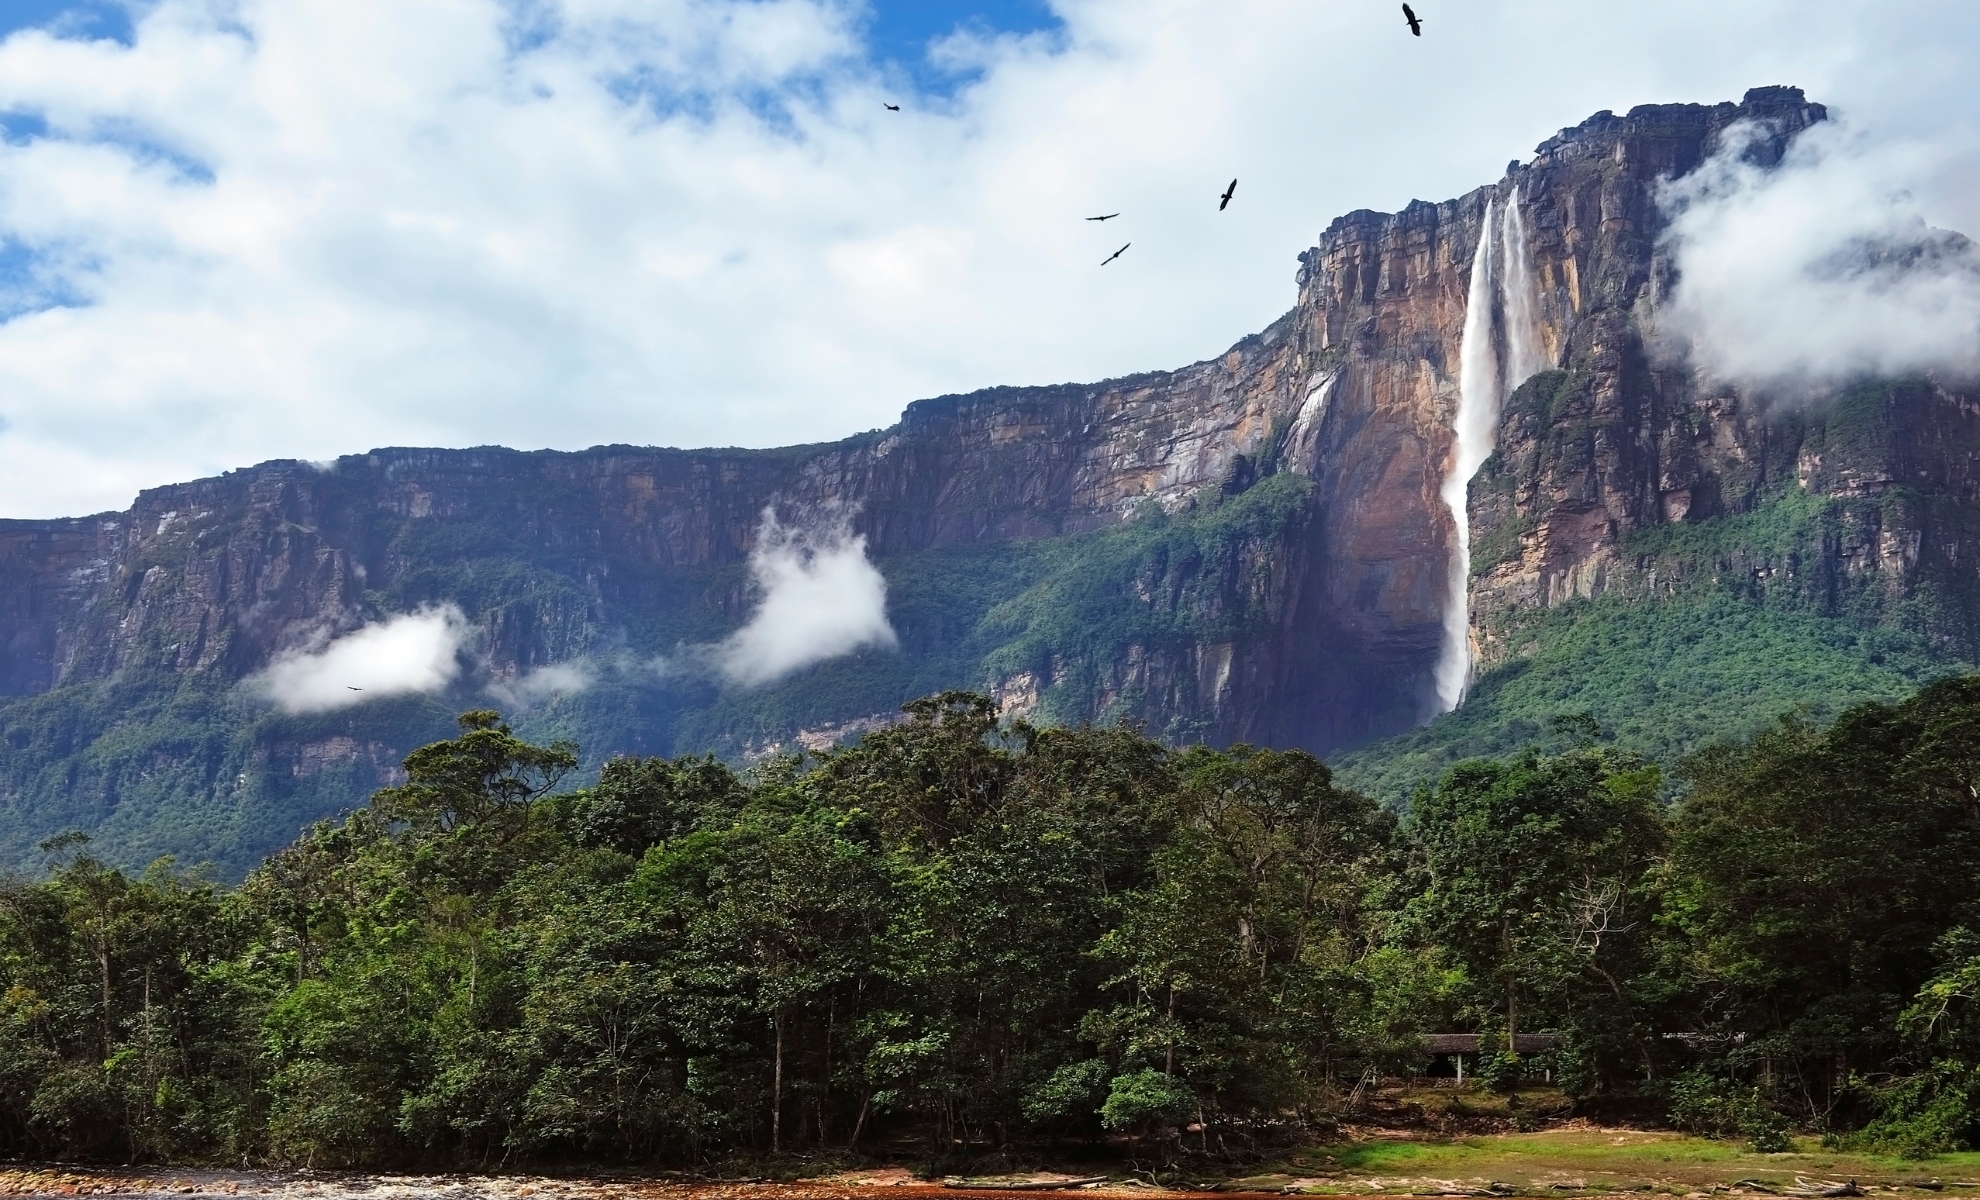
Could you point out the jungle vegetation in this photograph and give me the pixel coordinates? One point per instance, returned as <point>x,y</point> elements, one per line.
<point>965,933</point>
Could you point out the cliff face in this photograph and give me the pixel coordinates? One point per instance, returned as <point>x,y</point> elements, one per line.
<point>1312,617</point>
<point>1621,440</point>
<point>220,574</point>
<point>1383,300</point>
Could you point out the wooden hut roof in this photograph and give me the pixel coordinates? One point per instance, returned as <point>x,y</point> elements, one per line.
<point>1467,1043</point>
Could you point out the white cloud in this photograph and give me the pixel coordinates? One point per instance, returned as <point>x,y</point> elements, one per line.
<point>1820,270</point>
<point>413,652</point>
<point>534,687</point>
<point>821,598</point>
<point>302,228</point>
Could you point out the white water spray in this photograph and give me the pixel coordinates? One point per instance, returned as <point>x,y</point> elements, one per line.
<point>1475,432</point>
<point>1303,452</point>
<point>1526,354</point>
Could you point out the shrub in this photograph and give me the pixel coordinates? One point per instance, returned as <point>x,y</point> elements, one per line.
<point>1711,1106</point>
<point>1933,1112</point>
<point>1501,1072</point>
<point>1145,1099</point>
<point>1072,1094</point>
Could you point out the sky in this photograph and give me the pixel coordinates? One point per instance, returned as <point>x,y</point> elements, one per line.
<point>237,230</point>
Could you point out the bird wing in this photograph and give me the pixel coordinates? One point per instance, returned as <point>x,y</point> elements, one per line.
<point>1409,14</point>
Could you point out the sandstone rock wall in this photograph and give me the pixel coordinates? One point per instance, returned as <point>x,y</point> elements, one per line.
<point>220,574</point>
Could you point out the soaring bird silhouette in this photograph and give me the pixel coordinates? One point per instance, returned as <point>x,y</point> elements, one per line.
<point>1116,254</point>
<point>354,689</point>
<point>890,107</point>
<point>1415,26</point>
<point>1228,193</point>
<point>1108,217</point>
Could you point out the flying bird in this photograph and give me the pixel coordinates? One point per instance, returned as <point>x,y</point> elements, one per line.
<point>1415,26</point>
<point>1116,254</point>
<point>890,107</point>
<point>1228,193</point>
<point>1108,217</point>
<point>354,689</point>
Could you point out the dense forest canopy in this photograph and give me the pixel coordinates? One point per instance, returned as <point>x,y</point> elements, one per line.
<point>982,932</point>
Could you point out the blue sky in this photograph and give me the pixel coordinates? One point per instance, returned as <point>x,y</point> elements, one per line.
<point>251,229</point>
<point>902,29</point>
<point>97,19</point>
<point>899,30</point>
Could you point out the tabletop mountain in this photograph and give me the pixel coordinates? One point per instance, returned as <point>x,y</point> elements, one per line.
<point>1251,548</point>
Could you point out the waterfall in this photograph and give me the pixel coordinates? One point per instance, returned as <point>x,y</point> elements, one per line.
<point>1526,354</point>
<point>1475,431</point>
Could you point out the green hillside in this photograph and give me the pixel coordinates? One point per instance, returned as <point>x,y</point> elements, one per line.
<point>1749,631</point>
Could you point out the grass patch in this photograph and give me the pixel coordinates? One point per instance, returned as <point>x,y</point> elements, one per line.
<point>1594,1161</point>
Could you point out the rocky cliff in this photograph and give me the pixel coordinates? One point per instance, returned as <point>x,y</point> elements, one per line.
<point>219,574</point>
<point>1249,548</point>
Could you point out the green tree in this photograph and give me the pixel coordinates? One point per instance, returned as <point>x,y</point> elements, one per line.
<point>1813,872</point>
<point>1531,876</point>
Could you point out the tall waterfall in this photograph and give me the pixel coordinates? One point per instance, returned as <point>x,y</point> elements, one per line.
<point>1476,430</point>
<point>1526,354</point>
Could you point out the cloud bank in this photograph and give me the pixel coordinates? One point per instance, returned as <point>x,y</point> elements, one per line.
<point>303,228</point>
<point>821,598</point>
<point>1819,271</point>
<point>413,652</point>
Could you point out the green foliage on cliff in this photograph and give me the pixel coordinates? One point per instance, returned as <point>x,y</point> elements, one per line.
<point>964,935</point>
<point>1157,583</point>
<point>1713,629</point>
<point>158,764</point>
<point>1662,679</point>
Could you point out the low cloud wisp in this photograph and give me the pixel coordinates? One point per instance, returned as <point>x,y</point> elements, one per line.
<point>821,598</point>
<point>1819,271</point>
<point>413,652</point>
<point>534,687</point>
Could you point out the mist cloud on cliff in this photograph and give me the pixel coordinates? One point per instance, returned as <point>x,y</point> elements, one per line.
<point>546,682</point>
<point>1820,270</point>
<point>412,652</point>
<point>821,598</point>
